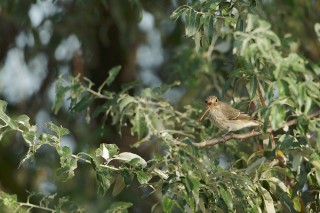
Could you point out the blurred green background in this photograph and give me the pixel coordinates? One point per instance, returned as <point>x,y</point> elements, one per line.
<point>42,40</point>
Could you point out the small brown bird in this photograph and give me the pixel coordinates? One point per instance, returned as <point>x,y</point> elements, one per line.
<point>227,117</point>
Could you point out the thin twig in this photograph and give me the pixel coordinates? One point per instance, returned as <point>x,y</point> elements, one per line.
<point>220,140</point>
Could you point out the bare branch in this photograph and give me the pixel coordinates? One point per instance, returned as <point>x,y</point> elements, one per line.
<point>220,140</point>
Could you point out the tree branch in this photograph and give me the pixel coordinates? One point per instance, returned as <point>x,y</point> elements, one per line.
<point>220,140</point>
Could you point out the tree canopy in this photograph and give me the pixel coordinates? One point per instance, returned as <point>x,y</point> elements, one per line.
<point>101,100</point>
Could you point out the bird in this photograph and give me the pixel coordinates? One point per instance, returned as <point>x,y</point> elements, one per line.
<point>226,117</point>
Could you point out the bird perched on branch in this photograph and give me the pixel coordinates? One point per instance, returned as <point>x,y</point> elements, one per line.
<point>226,117</point>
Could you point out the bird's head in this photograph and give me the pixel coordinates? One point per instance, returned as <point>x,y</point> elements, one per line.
<point>211,102</point>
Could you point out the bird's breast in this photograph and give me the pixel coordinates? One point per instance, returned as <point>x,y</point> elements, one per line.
<point>218,118</point>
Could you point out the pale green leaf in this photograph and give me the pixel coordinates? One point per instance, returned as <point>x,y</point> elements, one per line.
<point>128,157</point>
<point>297,162</point>
<point>192,23</point>
<point>5,118</point>
<point>119,207</point>
<point>59,130</point>
<point>277,116</point>
<point>142,177</point>
<point>253,87</point>
<point>67,163</point>
<point>227,197</point>
<point>279,183</point>
<point>255,165</point>
<point>113,72</point>
<point>24,120</point>
<point>168,204</point>
<point>107,151</point>
<point>267,199</point>
<point>297,204</point>
<point>178,12</point>
<point>125,102</point>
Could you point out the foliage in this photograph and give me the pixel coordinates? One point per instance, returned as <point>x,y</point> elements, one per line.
<point>281,177</point>
<point>47,203</point>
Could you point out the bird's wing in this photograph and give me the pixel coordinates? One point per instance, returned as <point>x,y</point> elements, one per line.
<point>232,114</point>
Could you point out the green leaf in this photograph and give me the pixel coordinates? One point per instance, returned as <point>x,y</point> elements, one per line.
<point>266,119</point>
<point>158,91</point>
<point>102,176</point>
<point>295,62</point>
<point>60,96</point>
<point>192,22</point>
<point>67,163</point>
<point>253,87</point>
<point>313,90</point>
<point>60,131</point>
<point>284,198</point>
<point>285,101</point>
<point>119,207</point>
<point>240,24</point>
<point>5,118</point>
<point>267,199</point>
<point>296,203</point>
<point>227,197</point>
<point>277,116</point>
<point>279,184</point>
<point>128,157</point>
<point>307,105</point>
<point>112,150</point>
<point>126,101</point>
<point>168,203</point>
<point>127,86</point>
<point>255,165</point>
<point>138,124</point>
<point>303,122</point>
<point>178,12</point>
<point>113,72</point>
<point>301,94</point>
<point>3,132</point>
<point>10,201</point>
<point>142,177</point>
<point>297,162</point>
<point>301,181</point>
<point>82,105</point>
<point>283,88</point>
<point>24,120</point>
<point>208,29</point>
<point>119,185</point>
<point>30,137</point>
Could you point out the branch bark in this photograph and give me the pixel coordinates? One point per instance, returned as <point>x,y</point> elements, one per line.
<point>220,140</point>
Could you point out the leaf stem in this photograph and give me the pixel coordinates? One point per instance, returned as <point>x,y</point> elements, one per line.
<point>35,206</point>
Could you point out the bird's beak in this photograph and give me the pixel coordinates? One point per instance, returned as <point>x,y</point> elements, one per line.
<point>208,108</point>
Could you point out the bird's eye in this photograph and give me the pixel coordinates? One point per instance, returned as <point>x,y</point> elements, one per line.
<point>216,100</point>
